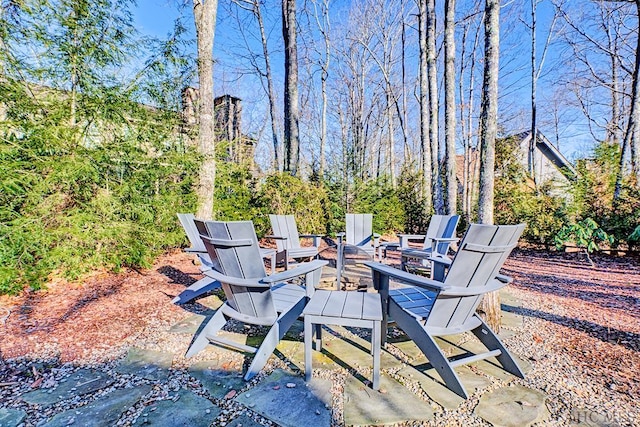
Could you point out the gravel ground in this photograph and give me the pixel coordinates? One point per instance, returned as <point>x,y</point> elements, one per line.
<point>581,334</point>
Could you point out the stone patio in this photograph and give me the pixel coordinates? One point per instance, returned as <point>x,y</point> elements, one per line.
<point>410,392</point>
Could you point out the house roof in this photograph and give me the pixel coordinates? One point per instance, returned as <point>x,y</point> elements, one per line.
<point>550,152</point>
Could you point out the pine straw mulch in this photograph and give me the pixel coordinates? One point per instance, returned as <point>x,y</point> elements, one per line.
<point>95,320</point>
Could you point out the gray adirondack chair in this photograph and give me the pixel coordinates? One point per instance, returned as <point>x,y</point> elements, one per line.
<point>190,225</point>
<point>251,296</point>
<point>440,234</point>
<point>193,228</point>
<point>285,234</point>
<point>359,232</point>
<point>428,308</point>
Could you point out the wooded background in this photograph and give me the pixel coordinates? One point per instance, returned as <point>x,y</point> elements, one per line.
<point>353,106</point>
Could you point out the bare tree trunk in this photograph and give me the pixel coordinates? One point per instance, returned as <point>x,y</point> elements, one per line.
<point>488,131</point>
<point>204,13</point>
<point>291,110</point>
<point>634,116</point>
<point>489,110</point>
<point>632,133</point>
<point>270,89</point>
<point>450,107</point>
<point>405,119</point>
<point>613,129</point>
<point>466,119</point>
<point>391,138</point>
<point>432,77</point>
<point>425,144</point>
<point>534,129</point>
<point>324,26</point>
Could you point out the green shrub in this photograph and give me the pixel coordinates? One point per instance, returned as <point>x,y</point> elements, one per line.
<point>381,199</point>
<point>283,194</point>
<point>586,234</point>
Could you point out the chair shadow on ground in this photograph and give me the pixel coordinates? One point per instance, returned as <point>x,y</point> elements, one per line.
<point>176,275</point>
<point>606,334</point>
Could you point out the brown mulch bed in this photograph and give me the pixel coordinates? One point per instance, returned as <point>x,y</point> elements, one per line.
<point>90,321</point>
<point>596,308</point>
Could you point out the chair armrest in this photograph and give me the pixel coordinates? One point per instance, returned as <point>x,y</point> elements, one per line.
<point>504,279</point>
<point>412,279</point>
<point>304,268</point>
<point>194,251</point>
<point>270,236</point>
<point>236,281</point>
<point>404,238</point>
<point>376,240</point>
<point>445,239</point>
<point>315,237</point>
<point>440,259</point>
<point>492,286</point>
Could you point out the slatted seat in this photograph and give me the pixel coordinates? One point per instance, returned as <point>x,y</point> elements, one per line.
<point>356,309</point>
<point>251,296</point>
<point>429,308</point>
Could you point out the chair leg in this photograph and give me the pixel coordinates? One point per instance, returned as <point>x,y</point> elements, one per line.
<point>492,342</point>
<point>308,357</point>
<point>375,349</point>
<point>428,346</point>
<point>196,289</point>
<point>201,339</point>
<point>273,337</point>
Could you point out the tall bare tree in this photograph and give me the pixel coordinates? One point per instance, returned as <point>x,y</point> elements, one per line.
<point>536,70</point>
<point>488,132</point>
<point>204,14</point>
<point>451,186</point>
<point>260,63</point>
<point>432,78</point>
<point>632,132</point>
<point>324,26</point>
<point>425,143</point>
<point>291,110</point>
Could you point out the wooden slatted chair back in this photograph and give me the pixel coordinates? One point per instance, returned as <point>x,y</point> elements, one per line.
<point>285,226</point>
<point>441,226</point>
<point>234,246</point>
<point>359,229</point>
<point>478,261</point>
<point>188,223</point>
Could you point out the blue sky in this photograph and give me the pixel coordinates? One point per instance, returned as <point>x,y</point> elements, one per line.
<point>156,18</point>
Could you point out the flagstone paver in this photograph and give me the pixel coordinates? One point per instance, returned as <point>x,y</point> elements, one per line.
<point>217,380</point>
<point>11,417</point>
<point>185,409</point>
<point>82,381</point>
<point>287,400</point>
<point>188,325</point>
<point>352,351</point>
<point>514,406</point>
<point>393,404</point>
<point>148,364</point>
<point>104,412</point>
<point>434,387</point>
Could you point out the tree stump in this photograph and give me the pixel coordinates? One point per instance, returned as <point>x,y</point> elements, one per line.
<point>491,311</point>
